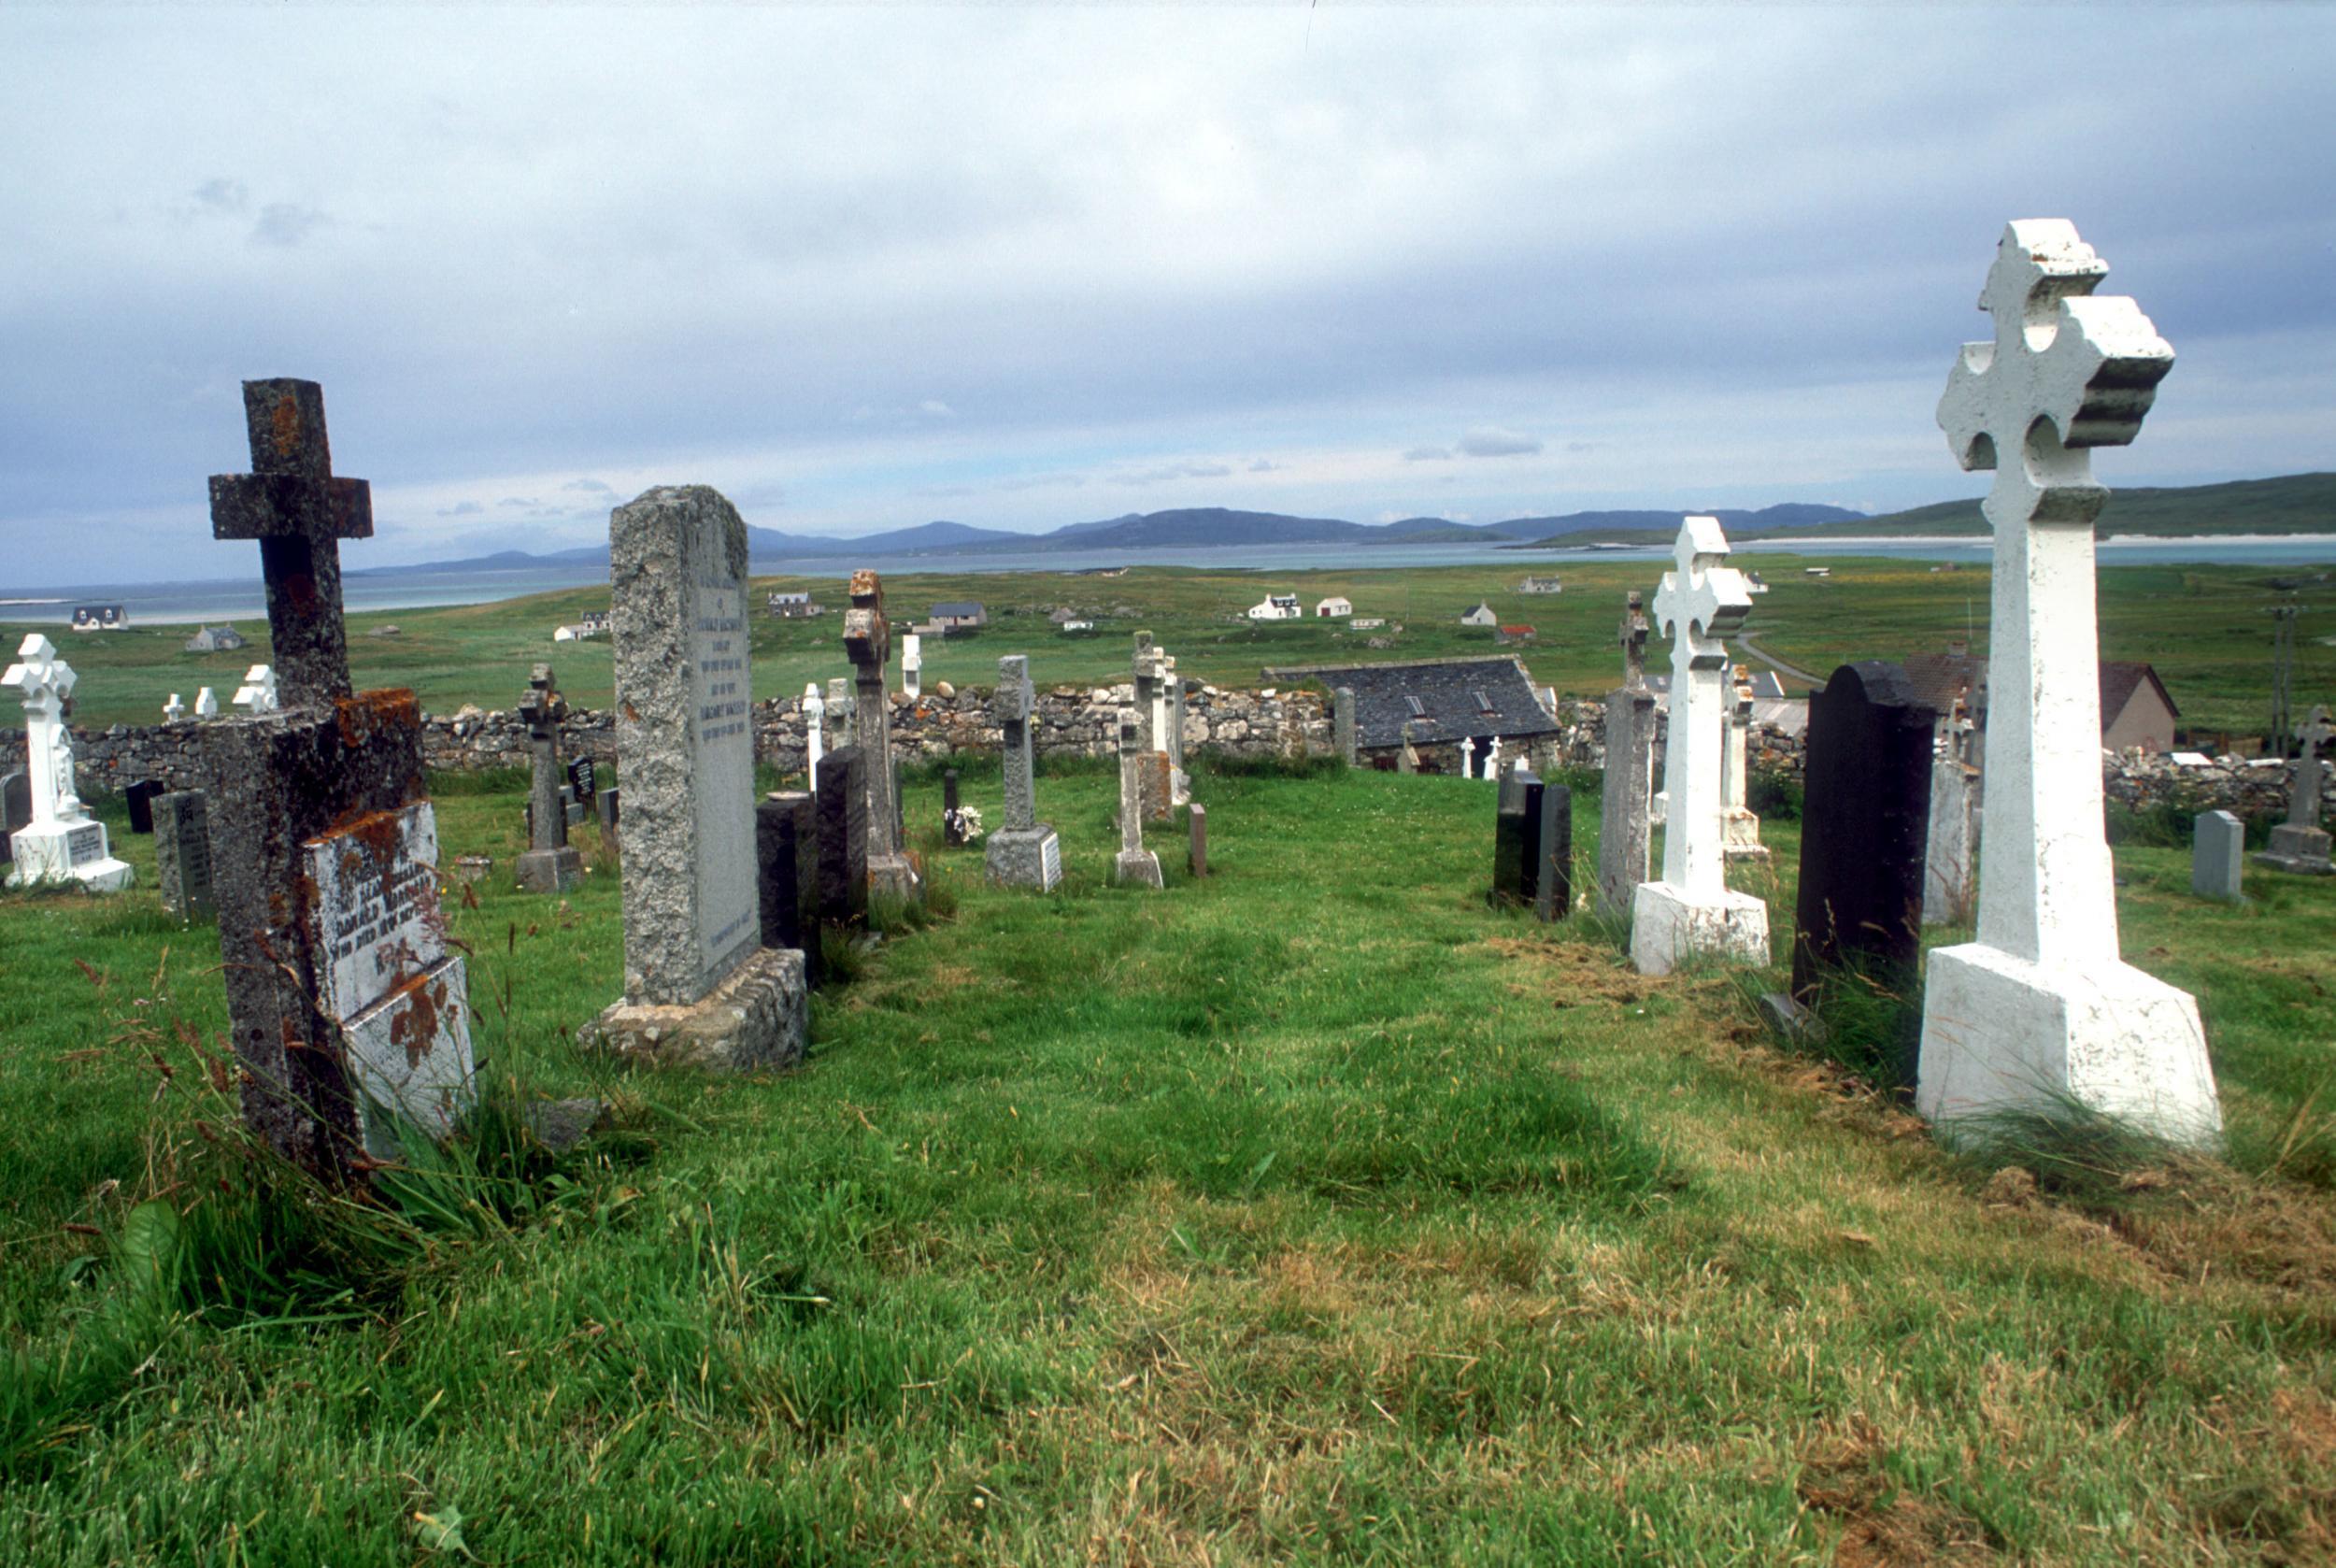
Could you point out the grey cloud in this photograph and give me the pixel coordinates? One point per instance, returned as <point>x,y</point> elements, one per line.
<point>1426,454</point>
<point>287,223</point>
<point>1174,471</point>
<point>461,509</point>
<point>1264,466</point>
<point>1497,443</point>
<point>222,196</point>
<point>590,486</point>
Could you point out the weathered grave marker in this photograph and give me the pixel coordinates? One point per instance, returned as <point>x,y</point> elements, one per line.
<point>2218,856</point>
<point>787,848</point>
<point>1136,865</point>
<point>551,863</point>
<point>1624,833</point>
<point>842,714</point>
<point>1155,776</point>
<point>912,665</point>
<point>1553,854</point>
<point>59,841</point>
<point>1691,909</point>
<point>206,704</point>
<point>1180,781</point>
<point>174,710</point>
<point>2300,844</point>
<point>814,737</point>
<point>1023,853</point>
<point>1343,725</point>
<point>183,853</point>
<point>1196,854</point>
<point>1515,829</point>
<point>868,638</point>
<point>140,798</point>
<point>1739,826</point>
<point>259,692</point>
<point>2041,1010</point>
<point>953,810</point>
<point>1950,883</point>
<point>16,809</point>
<point>843,808</point>
<point>349,1015</point>
<point>699,986</point>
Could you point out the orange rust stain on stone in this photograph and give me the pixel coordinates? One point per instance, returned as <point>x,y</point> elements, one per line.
<point>414,1028</point>
<point>284,424</point>
<point>371,713</point>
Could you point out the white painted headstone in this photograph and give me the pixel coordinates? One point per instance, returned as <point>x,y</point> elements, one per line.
<point>2041,1010</point>
<point>206,704</point>
<point>256,695</point>
<point>62,841</point>
<point>174,709</point>
<point>813,735</point>
<point>912,664</point>
<point>1691,909</point>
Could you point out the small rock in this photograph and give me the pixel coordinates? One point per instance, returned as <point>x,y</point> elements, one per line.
<point>944,689</point>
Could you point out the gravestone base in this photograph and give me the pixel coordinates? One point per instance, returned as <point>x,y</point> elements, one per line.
<point>2301,850</point>
<point>1025,858</point>
<point>67,853</point>
<point>755,1019</point>
<point>549,871</point>
<point>1138,868</point>
<point>1667,928</point>
<point>2001,1034</point>
<point>894,877</point>
<point>1740,836</point>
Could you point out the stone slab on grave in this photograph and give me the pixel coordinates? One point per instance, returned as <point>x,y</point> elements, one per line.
<point>1023,851</point>
<point>787,850</point>
<point>843,824</point>
<point>2041,1010</point>
<point>1864,827</point>
<point>2218,856</point>
<point>140,798</point>
<point>183,853</point>
<point>608,802</point>
<point>1625,835</point>
<point>1693,910</point>
<point>700,987</point>
<point>2300,845</point>
<point>60,841</point>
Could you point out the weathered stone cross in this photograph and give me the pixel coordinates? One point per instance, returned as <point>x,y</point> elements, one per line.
<point>44,681</point>
<point>1633,640</point>
<point>868,640</point>
<point>1013,704</point>
<point>2041,1011</point>
<point>298,511</point>
<point>1699,604</point>
<point>2304,800</point>
<point>543,708</point>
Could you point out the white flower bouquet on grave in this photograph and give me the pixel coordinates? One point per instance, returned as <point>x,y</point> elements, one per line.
<point>965,823</point>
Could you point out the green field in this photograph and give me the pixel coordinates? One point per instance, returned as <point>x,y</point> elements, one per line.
<point>1313,1213</point>
<point>2203,626</point>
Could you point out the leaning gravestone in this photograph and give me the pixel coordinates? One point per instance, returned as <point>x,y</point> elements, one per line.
<point>60,841</point>
<point>349,1018</point>
<point>1624,835</point>
<point>699,986</point>
<point>551,863</point>
<point>1023,853</point>
<point>868,639</point>
<point>1693,910</point>
<point>2041,1011</point>
<point>2300,844</point>
<point>140,798</point>
<point>1864,821</point>
<point>1136,865</point>
<point>2217,856</point>
<point>183,853</point>
<point>843,829</point>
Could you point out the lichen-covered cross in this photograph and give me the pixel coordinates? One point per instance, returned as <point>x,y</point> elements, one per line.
<point>1633,640</point>
<point>2068,371</point>
<point>1016,695</point>
<point>543,706</point>
<point>2303,801</point>
<point>867,636</point>
<point>299,512</point>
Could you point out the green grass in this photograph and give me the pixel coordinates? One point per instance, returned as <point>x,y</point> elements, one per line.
<point>1313,1212</point>
<point>2203,627</point>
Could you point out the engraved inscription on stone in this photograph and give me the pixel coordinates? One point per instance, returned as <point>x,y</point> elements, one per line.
<point>374,918</point>
<point>1049,862</point>
<point>410,1055</point>
<point>85,843</point>
<point>728,903</point>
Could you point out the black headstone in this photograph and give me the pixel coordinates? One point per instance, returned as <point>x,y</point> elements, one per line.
<point>606,801</point>
<point>140,797</point>
<point>582,781</point>
<point>1516,827</point>
<point>1553,854</point>
<point>1865,820</point>
<point>843,811</point>
<point>786,845</point>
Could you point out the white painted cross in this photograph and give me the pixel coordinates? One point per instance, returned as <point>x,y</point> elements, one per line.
<point>43,682</point>
<point>815,742</point>
<point>174,709</point>
<point>912,665</point>
<point>2041,1009</point>
<point>206,704</point>
<point>1691,910</point>
<point>256,695</point>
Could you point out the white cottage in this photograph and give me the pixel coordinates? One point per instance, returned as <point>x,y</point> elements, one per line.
<point>1276,606</point>
<point>1334,609</point>
<point>1481,616</point>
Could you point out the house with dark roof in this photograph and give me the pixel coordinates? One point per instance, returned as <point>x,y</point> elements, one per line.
<point>100,618</point>
<point>214,639</point>
<point>959,615</point>
<point>1456,707</point>
<point>2136,709</point>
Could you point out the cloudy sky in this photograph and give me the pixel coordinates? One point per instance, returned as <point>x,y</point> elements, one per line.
<point>863,268</point>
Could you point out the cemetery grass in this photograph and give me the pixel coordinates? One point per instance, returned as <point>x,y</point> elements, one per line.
<point>2202,626</point>
<point>1313,1212</point>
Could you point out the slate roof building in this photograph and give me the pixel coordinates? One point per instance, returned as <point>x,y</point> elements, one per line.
<point>795,606</point>
<point>1480,616</point>
<point>100,618</point>
<point>959,615</point>
<point>1448,703</point>
<point>215,639</point>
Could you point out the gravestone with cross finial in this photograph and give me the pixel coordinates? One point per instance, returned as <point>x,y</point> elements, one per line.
<point>1950,877</point>
<point>1135,866</point>
<point>700,987</point>
<point>61,842</point>
<point>868,639</point>
<point>1023,853</point>
<point>2041,1011</point>
<point>912,665</point>
<point>1170,728</point>
<point>2300,844</point>
<point>551,863</point>
<point>1151,727</point>
<point>350,1016</point>
<point>259,693</point>
<point>205,703</point>
<point>174,710</point>
<point>1691,910</point>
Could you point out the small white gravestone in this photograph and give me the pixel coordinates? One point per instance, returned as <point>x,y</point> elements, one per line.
<point>912,665</point>
<point>2041,1011</point>
<point>814,738</point>
<point>206,704</point>
<point>174,709</point>
<point>63,842</point>
<point>1740,826</point>
<point>256,695</point>
<point>1492,760</point>
<point>1691,909</point>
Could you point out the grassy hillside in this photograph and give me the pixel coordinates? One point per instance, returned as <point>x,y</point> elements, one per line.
<point>2203,626</point>
<point>2292,503</point>
<point>1311,1214</point>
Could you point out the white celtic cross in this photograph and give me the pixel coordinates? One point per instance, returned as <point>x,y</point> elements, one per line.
<point>256,695</point>
<point>174,709</point>
<point>2067,372</point>
<point>43,681</point>
<point>1701,602</point>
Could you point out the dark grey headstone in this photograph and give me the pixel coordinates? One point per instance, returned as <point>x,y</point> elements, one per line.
<point>1864,832</point>
<point>16,807</point>
<point>787,846</point>
<point>952,825</point>
<point>842,815</point>
<point>140,799</point>
<point>1516,826</point>
<point>583,780</point>
<point>1553,854</point>
<point>606,802</point>
<point>183,853</point>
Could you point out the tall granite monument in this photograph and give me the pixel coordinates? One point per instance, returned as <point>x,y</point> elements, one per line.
<point>1624,835</point>
<point>1135,866</point>
<point>1023,853</point>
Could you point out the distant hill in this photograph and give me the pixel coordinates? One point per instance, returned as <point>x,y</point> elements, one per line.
<point>2292,503</point>
<point>1636,527</point>
<point>1198,525</point>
